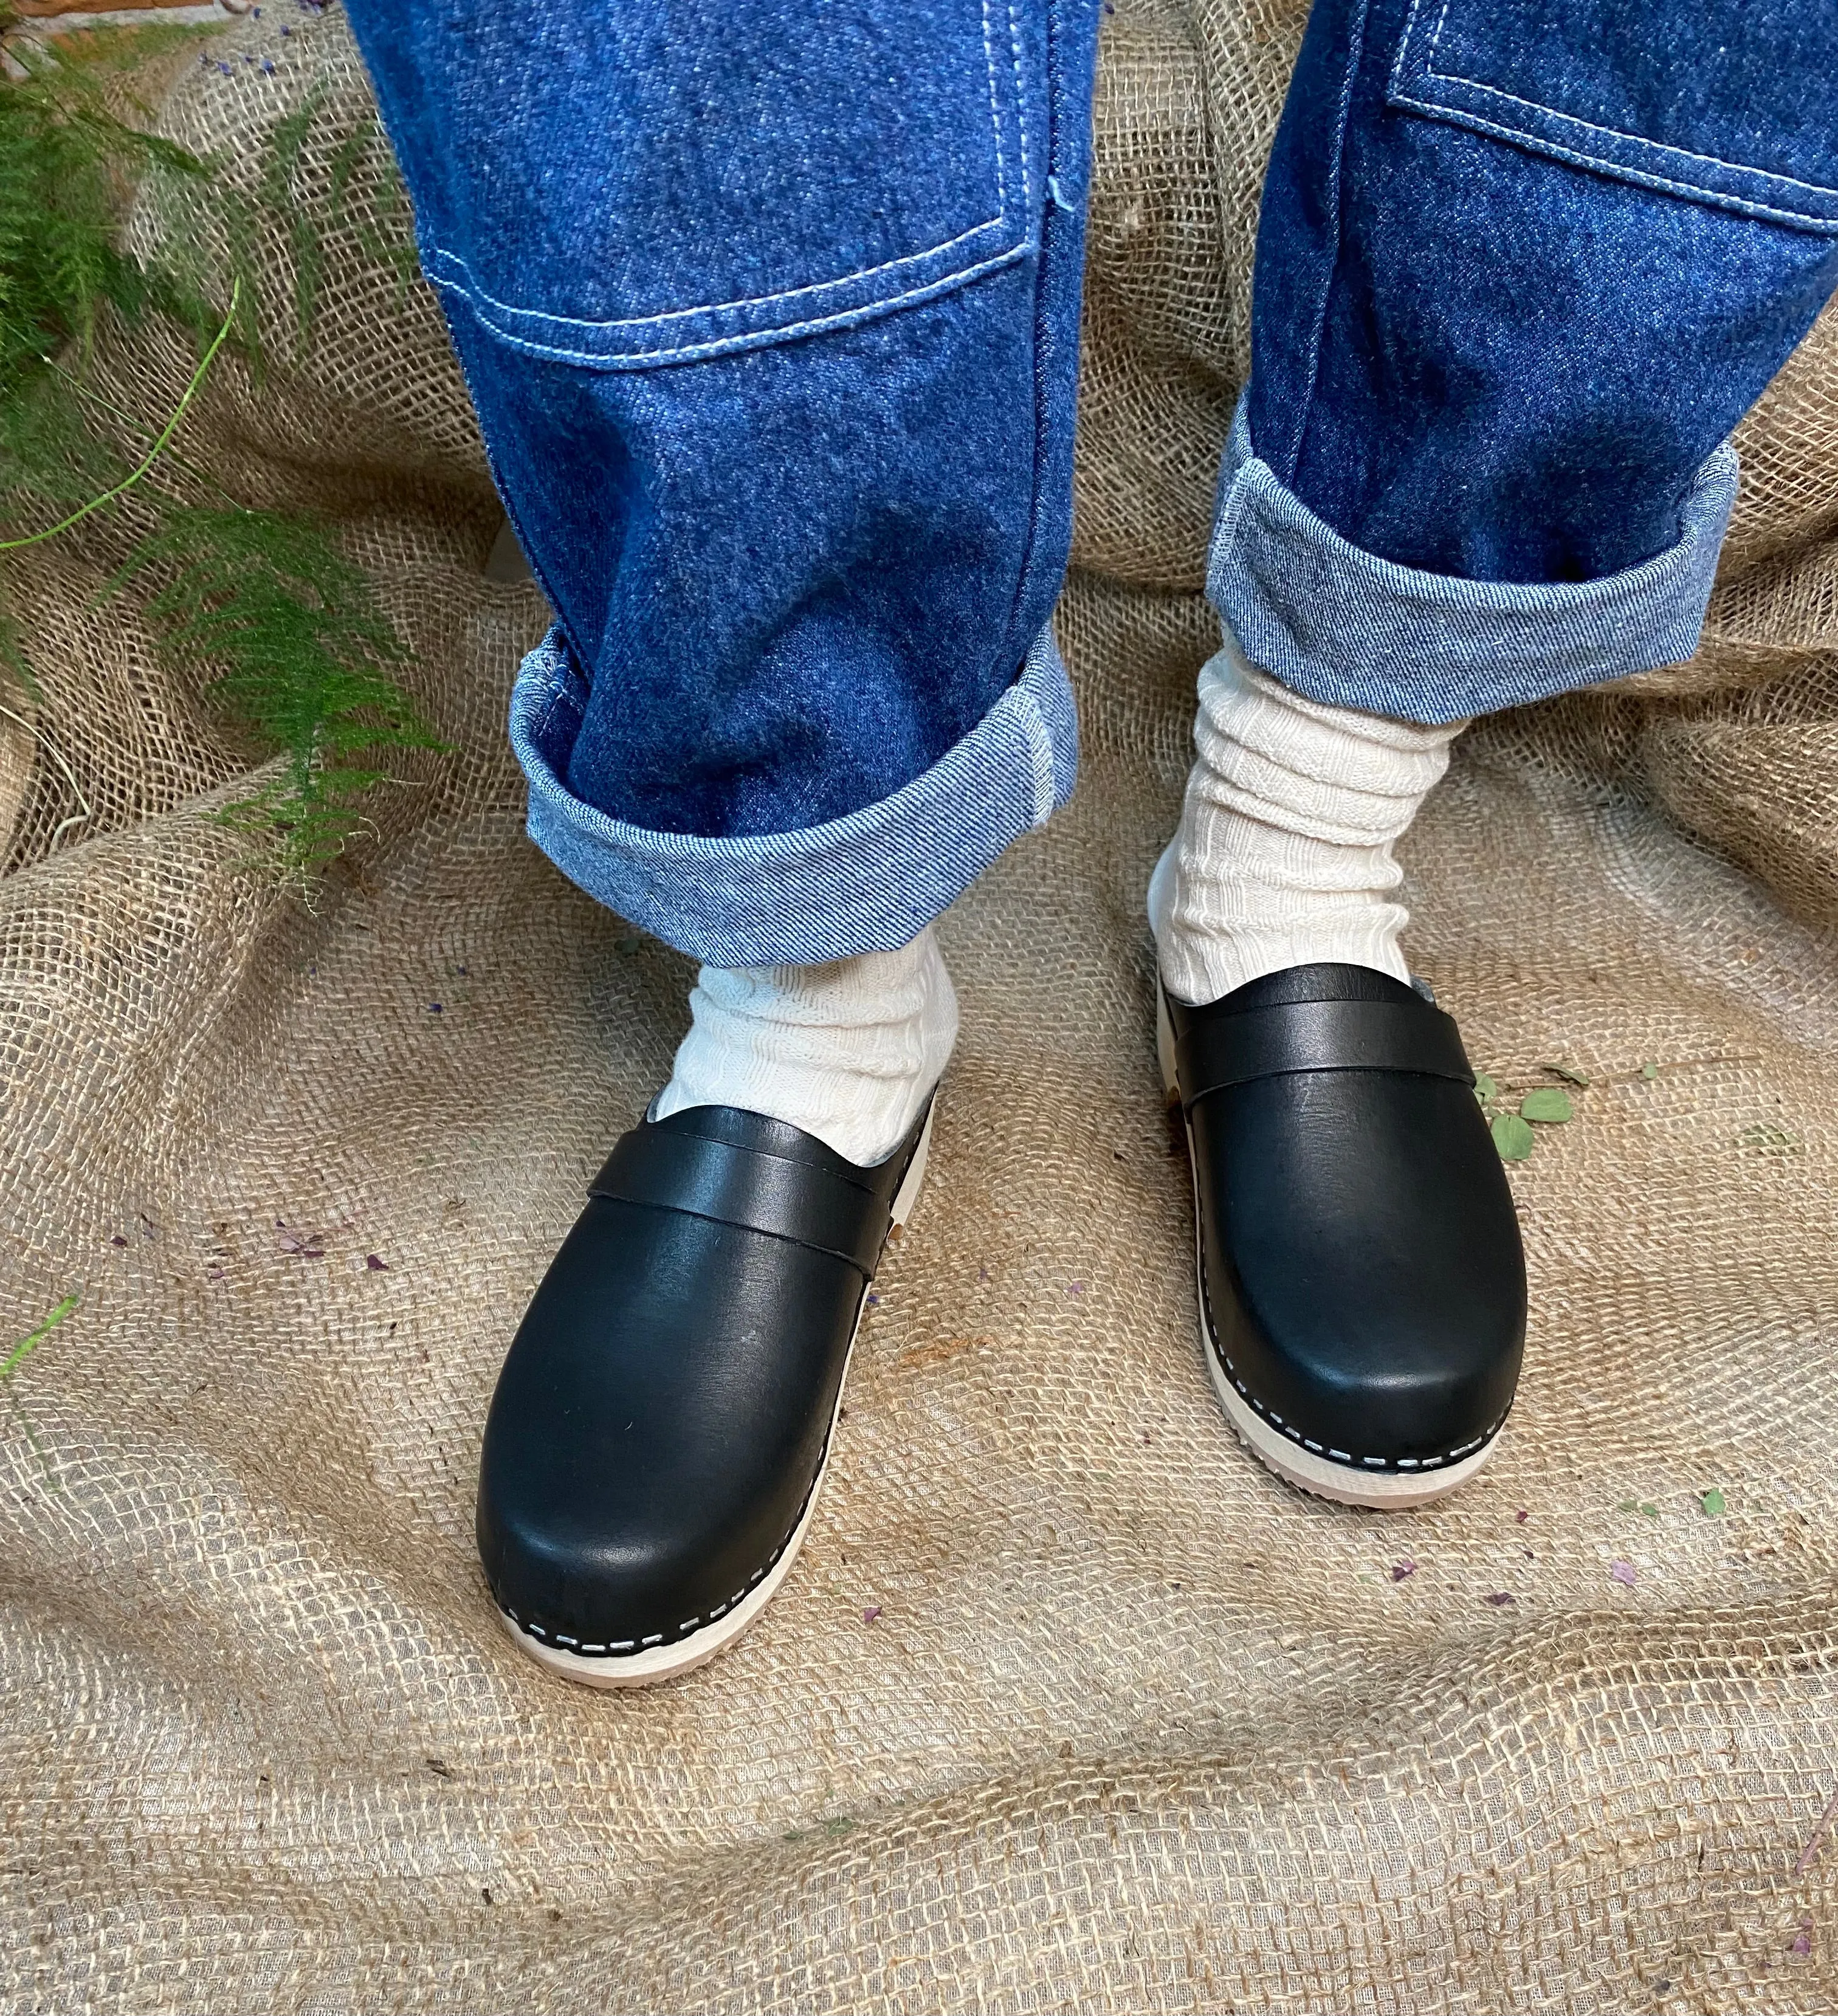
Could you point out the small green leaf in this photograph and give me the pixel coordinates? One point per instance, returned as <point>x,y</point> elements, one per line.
<point>1548,1103</point>
<point>1649,1511</point>
<point>1484,1087</point>
<point>1568,1071</point>
<point>1628,1505</point>
<point>1649,1070</point>
<point>23,1350</point>
<point>1770,1140</point>
<point>1712,1503</point>
<point>1512,1137</point>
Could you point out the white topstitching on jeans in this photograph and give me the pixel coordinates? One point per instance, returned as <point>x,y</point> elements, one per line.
<point>471,287</point>
<point>1645,177</point>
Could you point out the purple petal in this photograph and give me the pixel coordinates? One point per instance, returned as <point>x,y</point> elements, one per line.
<point>1401,1569</point>
<point>1500,1595</point>
<point>869,1616</point>
<point>376,1266</point>
<point>1622,1571</point>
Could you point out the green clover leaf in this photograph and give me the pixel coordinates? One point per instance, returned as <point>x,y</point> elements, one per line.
<point>1511,1136</point>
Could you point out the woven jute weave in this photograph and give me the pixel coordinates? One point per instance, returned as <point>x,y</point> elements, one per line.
<point>1068,1705</point>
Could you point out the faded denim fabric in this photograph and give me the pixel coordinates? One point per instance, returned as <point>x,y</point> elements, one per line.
<point>1522,266</point>
<point>1350,629</point>
<point>870,881</point>
<point>769,309</point>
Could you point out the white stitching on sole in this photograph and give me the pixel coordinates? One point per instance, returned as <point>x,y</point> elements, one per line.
<point>1466,1459</point>
<point>548,1650</point>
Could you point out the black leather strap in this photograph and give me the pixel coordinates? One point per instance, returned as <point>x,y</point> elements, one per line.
<point>736,1186</point>
<point>1211,1054</point>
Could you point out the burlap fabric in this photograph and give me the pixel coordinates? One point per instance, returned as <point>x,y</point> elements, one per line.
<point>1067,1704</point>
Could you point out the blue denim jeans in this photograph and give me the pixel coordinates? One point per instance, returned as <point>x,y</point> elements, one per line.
<point>769,310</point>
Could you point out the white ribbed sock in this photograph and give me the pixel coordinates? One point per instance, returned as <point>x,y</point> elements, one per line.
<point>1283,855</point>
<point>847,1051</point>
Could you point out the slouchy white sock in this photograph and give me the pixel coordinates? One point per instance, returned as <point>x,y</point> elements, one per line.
<point>848,1051</point>
<point>1283,855</point>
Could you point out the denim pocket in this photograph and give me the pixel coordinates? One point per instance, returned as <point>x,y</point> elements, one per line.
<point>1731,102</point>
<point>635,182</point>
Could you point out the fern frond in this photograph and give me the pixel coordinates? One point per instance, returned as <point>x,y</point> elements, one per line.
<point>66,163</point>
<point>300,646</point>
<point>298,650</point>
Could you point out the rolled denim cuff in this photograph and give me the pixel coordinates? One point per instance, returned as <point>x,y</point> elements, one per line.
<point>869,882</point>
<point>1340,625</point>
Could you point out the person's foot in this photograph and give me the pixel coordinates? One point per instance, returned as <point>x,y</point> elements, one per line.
<point>663,1422</point>
<point>1361,1281</point>
<point>1362,1284</point>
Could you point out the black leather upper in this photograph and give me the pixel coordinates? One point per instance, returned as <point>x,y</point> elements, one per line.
<point>662,1418</point>
<point>1363,1274</point>
<point>780,1181</point>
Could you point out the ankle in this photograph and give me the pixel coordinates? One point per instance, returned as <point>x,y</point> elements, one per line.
<point>1206,948</point>
<point>1283,855</point>
<point>849,1051</point>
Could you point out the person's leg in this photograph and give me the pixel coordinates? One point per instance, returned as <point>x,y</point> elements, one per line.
<point>769,309</point>
<point>1521,268</point>
<point>770,315</point>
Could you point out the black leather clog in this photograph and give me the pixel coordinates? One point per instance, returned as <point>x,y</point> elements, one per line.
<point>663,1421</point>
<point>1362,1283</point>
